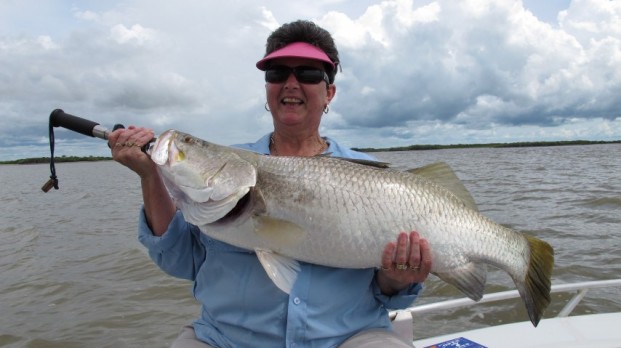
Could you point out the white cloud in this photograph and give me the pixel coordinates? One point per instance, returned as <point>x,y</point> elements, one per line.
<point>87,16</point>
<point>137,33</point>
<point>478,51</point>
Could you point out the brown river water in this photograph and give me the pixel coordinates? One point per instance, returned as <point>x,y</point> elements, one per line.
<point>72,273</point>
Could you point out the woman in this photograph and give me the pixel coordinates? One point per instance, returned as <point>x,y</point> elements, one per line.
<point>241,307</point>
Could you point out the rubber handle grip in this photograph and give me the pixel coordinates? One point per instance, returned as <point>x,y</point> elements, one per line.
<point>59,118</point>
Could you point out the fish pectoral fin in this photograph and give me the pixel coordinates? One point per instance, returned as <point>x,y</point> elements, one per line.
<point>469,279</point>
<point>278,233</point>
<point>282,270</point>
<point>443,175</point>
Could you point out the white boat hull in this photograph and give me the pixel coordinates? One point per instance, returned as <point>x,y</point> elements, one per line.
<point>601,330</point>
<point>595,330</point>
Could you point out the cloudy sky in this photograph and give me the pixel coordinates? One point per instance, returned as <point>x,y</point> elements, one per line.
<point>414,72</point>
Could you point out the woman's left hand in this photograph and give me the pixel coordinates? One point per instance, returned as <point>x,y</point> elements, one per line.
<point>405,262</point>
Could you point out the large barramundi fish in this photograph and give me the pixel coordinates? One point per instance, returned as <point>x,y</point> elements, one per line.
<point>342,213</point>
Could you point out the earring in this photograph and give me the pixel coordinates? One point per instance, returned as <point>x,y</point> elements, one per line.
<point>326,109</point>
<point>267,107</point>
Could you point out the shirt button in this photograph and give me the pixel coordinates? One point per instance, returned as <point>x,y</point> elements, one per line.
<point>297,300</point>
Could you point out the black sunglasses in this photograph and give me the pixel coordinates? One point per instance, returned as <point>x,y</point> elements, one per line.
<point>304,74</point>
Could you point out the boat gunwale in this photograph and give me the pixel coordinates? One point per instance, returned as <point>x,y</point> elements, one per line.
<point>581,287</point>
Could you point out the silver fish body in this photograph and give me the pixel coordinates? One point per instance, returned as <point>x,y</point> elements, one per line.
<point>339,213</point>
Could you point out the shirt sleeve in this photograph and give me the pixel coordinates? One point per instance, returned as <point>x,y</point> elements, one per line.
<point>178,251</point>
<point>401,300</point>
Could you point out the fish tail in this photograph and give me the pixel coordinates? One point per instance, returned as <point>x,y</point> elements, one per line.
<point>535,287</point>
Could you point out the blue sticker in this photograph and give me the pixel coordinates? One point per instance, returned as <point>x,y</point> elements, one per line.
<point>457,343</point>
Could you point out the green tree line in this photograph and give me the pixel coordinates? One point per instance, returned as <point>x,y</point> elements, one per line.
<point>492,145</point>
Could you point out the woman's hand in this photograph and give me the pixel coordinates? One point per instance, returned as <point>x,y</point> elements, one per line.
<point>126,147</point>
<point>405,262</point>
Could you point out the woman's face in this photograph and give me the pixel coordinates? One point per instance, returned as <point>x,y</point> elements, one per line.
<point>295,104</point>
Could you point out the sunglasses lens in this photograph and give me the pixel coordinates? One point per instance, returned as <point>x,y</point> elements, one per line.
<point>277,75</point>
<point>303,74</point>
<point>309,75</point>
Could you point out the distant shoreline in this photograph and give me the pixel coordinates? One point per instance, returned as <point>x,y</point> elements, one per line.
<point>39,160</point>
<point>489,145</point>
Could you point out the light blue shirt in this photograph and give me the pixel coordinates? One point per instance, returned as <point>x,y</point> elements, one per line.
<point>241,307</point>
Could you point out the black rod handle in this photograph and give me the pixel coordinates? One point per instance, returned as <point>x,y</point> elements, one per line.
<point>59,118</point>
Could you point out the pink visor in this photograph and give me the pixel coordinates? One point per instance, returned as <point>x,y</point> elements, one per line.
<point>296,50</point>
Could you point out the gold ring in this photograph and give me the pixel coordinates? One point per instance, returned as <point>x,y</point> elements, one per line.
<point>415,268</point>
<point>118,144</point>
<point>385,268</point>
<point>402,267</point>
<point>129,144</point>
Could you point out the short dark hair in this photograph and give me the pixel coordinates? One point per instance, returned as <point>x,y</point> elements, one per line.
<point>309,32</point>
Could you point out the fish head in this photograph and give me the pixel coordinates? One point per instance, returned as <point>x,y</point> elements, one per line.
<point>207,178</point>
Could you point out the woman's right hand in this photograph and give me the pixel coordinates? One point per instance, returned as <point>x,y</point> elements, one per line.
<point>126,144</point>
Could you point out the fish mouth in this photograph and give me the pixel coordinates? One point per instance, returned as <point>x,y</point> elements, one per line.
<point>159,151</point>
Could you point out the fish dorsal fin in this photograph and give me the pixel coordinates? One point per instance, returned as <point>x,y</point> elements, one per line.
<point>469,279</point>
<point>325,154</point>
<point>443,175</point>
<point>369,163</point>
<point>282,270</point>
